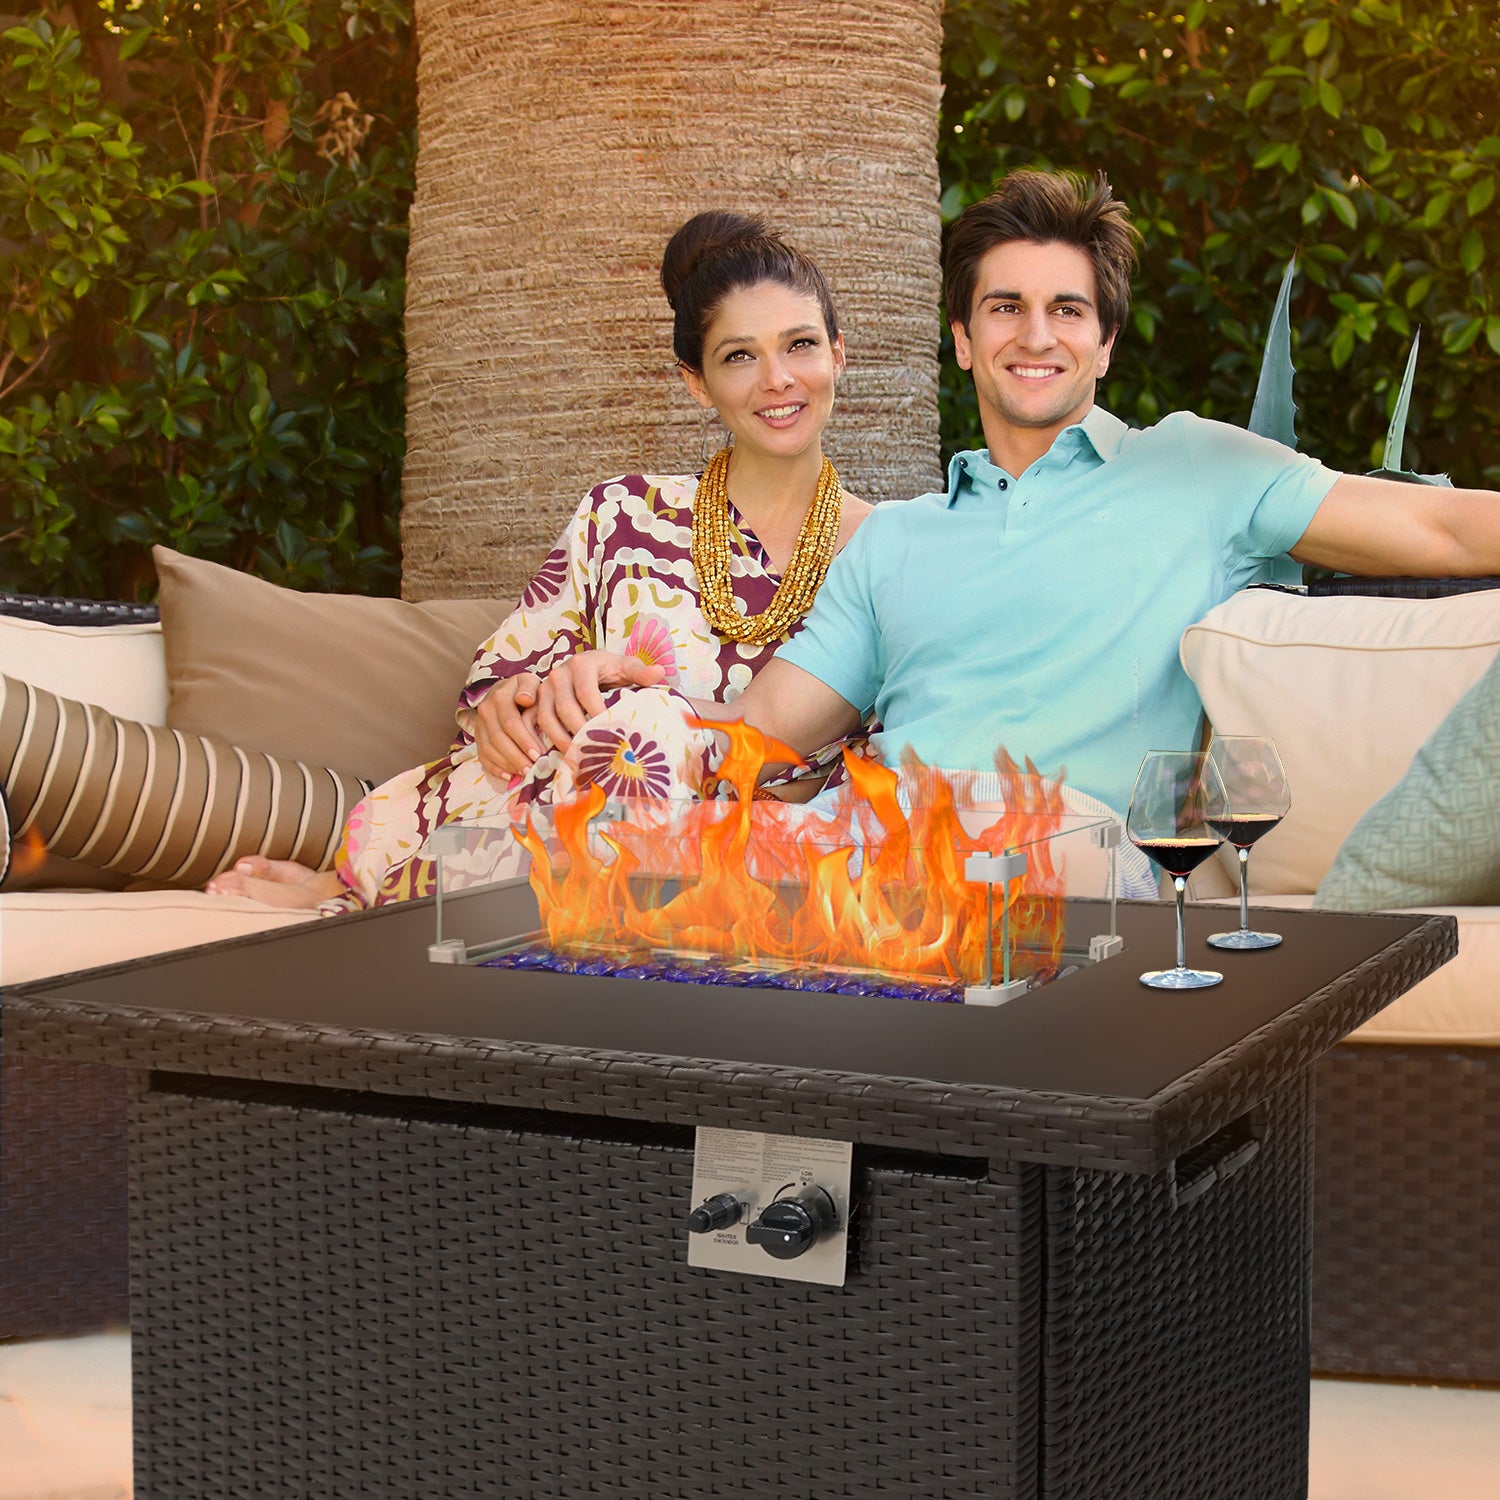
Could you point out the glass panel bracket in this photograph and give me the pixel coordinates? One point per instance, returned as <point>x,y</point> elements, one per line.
<point>990,870</point>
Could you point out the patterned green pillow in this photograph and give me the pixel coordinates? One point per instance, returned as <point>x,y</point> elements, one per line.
<point>1434,838</point>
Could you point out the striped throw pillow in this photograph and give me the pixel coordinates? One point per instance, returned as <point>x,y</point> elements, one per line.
<point>156,803</point>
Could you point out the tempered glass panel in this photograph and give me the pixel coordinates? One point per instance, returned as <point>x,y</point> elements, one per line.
<point>841,892</point>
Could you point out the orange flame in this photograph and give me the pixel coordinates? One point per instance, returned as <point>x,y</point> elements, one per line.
<point>28,853</point>
<point>874,886</point>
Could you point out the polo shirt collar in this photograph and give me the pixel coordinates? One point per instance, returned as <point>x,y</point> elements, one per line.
<point>1100,430</point>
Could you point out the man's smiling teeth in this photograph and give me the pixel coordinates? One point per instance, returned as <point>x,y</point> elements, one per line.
<point>1031,372</point>
<point>777,412</point>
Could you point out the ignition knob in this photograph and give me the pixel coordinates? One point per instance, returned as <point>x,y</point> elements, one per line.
<point>791,1226</point>
<point>718,1212</point>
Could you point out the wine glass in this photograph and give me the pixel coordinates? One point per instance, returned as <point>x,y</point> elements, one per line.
<point>1174,811</point>
<point>1255,784</point>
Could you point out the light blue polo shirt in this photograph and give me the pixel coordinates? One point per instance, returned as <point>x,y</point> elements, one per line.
<point>1041,612</point>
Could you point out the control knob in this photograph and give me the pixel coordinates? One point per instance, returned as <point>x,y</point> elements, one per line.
<point>790,1226</point>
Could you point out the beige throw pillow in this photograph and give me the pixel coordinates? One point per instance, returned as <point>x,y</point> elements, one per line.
<point>1349,688</point>
<point>366,685</point>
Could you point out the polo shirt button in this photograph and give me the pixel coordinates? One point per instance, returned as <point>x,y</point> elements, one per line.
<point>1005,484</point>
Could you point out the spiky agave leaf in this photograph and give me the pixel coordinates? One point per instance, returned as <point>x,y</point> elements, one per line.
<point>1395,437</point>
<point>1274,411</point>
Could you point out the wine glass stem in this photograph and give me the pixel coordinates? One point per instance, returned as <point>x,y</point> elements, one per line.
<point>1179,884</point>
<point>1244,890</point>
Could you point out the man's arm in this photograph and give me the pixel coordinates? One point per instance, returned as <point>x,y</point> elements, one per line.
<point>790,705</point>
<point>1383,526</point>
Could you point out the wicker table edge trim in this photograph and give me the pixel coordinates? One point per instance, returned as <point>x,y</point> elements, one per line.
<point>1266,1059</point>
<point>917,1114</point>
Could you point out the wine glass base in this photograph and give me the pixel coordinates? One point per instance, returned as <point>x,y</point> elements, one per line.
<point>1243,940</point>
<point>1181,979</point>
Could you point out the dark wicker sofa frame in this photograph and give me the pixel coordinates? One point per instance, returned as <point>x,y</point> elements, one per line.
<point>1406,1272</point>
<point>64,1256</point>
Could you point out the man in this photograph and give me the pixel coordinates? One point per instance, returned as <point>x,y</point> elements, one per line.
<point>1038,603</point>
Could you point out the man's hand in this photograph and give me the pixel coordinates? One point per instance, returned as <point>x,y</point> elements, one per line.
<point>505,726</point>
<point>571,694</point>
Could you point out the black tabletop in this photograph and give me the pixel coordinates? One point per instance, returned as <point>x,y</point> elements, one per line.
<point>1097,1032</point>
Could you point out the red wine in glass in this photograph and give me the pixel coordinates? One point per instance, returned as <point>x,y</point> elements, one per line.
<point>1255,785</point>
<point>1179,856</point>
<point>1178,798</point>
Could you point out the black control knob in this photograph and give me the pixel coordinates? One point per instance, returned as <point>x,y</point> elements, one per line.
<point>791,1226</point>
<point>718,1212</point>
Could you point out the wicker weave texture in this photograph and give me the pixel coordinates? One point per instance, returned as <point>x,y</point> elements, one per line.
<point>64,1265</point>
<point>913,1114</point>
<point>1406,1242</point>
<point>46,609</point>
<point>1399,588</point>
<point>426,1300</point>
<point>1186,1321</point>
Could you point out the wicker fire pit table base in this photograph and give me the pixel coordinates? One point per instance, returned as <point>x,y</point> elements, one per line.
<point>401,1230</point>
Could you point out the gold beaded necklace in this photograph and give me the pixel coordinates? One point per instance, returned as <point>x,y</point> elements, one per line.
<point>804,574</point>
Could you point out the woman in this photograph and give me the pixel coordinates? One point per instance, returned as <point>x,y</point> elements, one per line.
<point>694,580</point>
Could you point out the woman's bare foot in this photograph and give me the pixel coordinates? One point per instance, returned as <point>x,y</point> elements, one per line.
<point>276,882</point>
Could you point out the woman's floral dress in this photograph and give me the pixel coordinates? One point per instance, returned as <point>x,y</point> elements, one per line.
<point>620,579</point>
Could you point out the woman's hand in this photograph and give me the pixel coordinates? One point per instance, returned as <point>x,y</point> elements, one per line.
<point>505,730</point>
<point>571,694</point>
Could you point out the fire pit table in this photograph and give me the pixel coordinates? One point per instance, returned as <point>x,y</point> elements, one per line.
<point>401,1229</point>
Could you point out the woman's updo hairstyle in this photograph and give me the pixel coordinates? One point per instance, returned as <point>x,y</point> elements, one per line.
<point>717,253</point>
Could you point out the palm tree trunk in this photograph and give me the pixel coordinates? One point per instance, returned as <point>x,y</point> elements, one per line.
<point>561,142</point>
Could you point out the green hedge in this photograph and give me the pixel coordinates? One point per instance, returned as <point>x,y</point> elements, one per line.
<point>203,209</point>
<point>203,230</point>
<point>1361,136</point>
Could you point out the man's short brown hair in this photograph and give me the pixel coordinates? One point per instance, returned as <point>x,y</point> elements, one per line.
<point>1045,208</point>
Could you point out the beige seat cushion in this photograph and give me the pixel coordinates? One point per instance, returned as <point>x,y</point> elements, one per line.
<point>1459,1004</point>
<point>1349,689</point>
<point>43,933</point>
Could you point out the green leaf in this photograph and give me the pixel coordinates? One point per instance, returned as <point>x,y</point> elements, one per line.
<point>1080,96</point>
<point>1342,207</point>
<point>1460,337</point>
<point>1492,333</point>
<point>1330,100</point>
<point>299,35</point>
<point>1260,91</point>
<point>1471,251</point>
<point>1015,104</point>
<point>1481,195</point>
<point>24,36</point>
<point>198,186</point>
<point>1316,38</point>
<point>1372,137</point>
<point>133,43</point>
<point>1268,156</point>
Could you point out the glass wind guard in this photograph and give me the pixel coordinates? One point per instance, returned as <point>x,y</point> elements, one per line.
<point>913,894</point>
